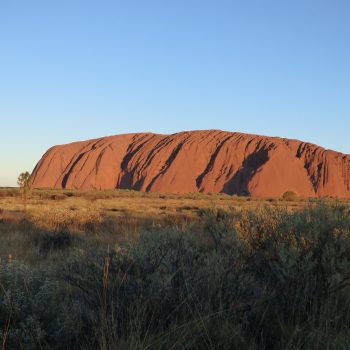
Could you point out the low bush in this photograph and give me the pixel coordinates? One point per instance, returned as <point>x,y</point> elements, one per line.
<point>58,197</point>
<point>289,196</point>
<point>52,241</point>
<point>9,192</point>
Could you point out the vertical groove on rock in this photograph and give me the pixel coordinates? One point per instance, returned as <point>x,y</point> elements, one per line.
<point>211,160</point>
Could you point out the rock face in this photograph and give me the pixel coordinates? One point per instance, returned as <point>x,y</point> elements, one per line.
<point>197,161</point>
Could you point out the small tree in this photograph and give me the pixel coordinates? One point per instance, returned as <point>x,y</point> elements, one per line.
<point>25,186</point>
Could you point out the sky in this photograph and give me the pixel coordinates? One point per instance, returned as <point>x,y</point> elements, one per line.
<point>75,70</point>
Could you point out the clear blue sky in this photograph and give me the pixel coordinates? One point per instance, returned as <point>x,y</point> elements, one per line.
<point>79,69</point>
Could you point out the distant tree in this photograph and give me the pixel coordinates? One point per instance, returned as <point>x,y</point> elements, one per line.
<point>24,182</point>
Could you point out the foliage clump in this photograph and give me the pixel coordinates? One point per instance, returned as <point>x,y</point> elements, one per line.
<point>290,196</point>
<point>24,183</point>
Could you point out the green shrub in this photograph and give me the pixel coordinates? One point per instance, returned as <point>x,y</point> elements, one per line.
<point>48,242</point>
<point>34,309</point>
<point>58,197</point>
<point>289,196</point>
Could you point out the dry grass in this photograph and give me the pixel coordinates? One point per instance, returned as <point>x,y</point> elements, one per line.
<point>116,216</point>
<point>129,270</point>
<point>121,213</point>
<point>49,208</point>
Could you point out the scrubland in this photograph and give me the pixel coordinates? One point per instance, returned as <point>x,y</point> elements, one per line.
<point>129,270</point>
